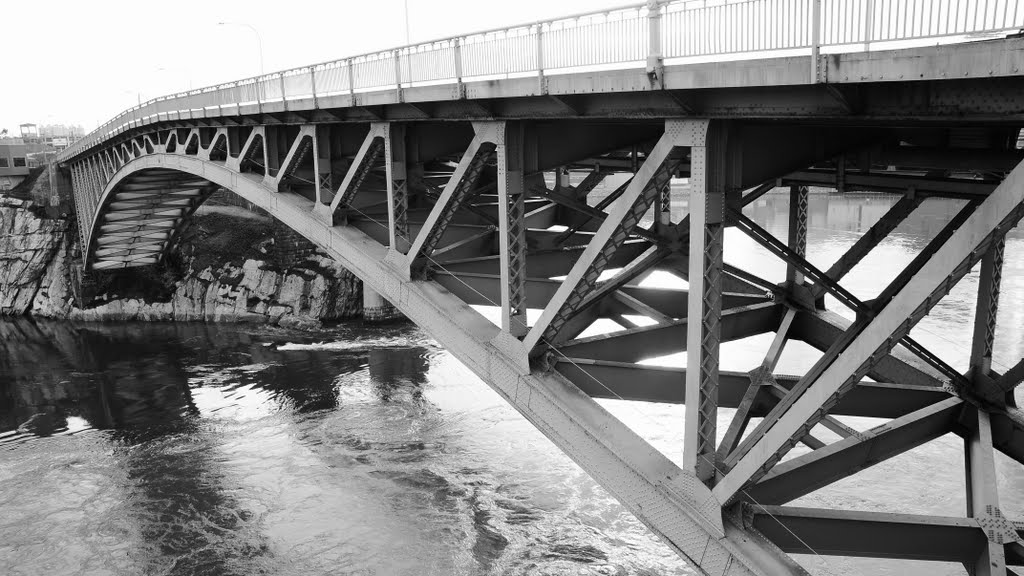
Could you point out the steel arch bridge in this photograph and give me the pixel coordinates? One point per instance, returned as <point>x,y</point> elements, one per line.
<point>446,190</point>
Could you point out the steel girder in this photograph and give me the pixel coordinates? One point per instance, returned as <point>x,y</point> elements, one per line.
<point>998,213</point>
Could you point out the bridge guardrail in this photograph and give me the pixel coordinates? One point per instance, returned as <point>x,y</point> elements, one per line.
<point>637,35</point>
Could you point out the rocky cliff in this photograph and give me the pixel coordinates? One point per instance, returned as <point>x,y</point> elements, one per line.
<point>232,264</point>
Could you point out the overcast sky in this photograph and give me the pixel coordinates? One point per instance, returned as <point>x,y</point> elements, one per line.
<point>82,62</point>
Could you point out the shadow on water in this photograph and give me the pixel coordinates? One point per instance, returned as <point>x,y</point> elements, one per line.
<point>136,383</point>
<point>131,384</point>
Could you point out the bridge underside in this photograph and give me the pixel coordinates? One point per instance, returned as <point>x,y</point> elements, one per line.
<point>568,217</point>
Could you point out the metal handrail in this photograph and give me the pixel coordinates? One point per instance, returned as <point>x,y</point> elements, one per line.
<point>638,34</point>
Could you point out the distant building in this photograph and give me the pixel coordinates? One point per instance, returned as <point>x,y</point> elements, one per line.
<point>29,131</point>
<point>16,159</point>
<point>60,136</point>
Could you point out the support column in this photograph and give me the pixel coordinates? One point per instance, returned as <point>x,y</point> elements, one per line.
<point>274,149</point>
<point>376,308</point>
<point>234,142</point>
<point>703,337</point>
<point>797,230</point>
<point>512,233</point>
<point>322,161</point>
<point>985,313</point>
<point>983,498</point>
<point>398,197</point>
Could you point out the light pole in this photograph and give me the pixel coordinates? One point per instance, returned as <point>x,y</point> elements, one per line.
<point>138,95</point>
<point>259,38</point>
<point>406,22</point>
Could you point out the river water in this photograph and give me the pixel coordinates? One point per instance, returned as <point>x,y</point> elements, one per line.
<point>222,450</point>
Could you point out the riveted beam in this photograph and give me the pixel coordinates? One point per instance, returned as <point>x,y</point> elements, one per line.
<point>654,341</point>
<point>842,344</point>
<point>370,152</point>
<point>794,260</point>
<point>623,218</point>
<point>806,473</point>
<point>512,230</point>
<point>987,307</point>
<point>457,192</point>
<point>998,213</point>
<point>759,377</point>
<point>395,157</point>
<point>647,383</point>
<point>797,230</point>
<point>878,232</point>
<point>704,326</point>
<point>898,183</point>
<point>1005,384</point>
<point>867,534</point>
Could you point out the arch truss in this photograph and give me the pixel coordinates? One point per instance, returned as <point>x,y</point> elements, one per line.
<point>450,220</point>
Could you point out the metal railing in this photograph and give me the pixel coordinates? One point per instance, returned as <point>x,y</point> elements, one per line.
<point>637,35</point>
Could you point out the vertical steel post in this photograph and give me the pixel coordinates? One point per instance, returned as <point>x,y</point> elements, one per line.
<point>703,335</point>
<point>655,61</point>
<point>259,95</point>
<point>665,206</point>
<point>397,182</point>
<point>815,41</point>
<point>397,55</point>
<point>274,150</point>
<point>983,496</point>
<point>312,85</point>
<point>322,143</point>
<point>234,143</point>
<point>869,25</point>
<point>512,232</point>
<point>351,81</point>
<point>987,307</point>
<point>797,229</point>
<point>541,88</point>
<point>284,94</point>
<point>457,53</point>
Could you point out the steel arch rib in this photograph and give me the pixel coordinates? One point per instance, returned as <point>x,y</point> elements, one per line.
<point>671,502</point>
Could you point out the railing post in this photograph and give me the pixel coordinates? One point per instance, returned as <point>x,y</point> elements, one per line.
<point>259,97</point>
<point>655,61</point>
<point>869,25</point>
<point>398,73</point>
<point>351,80</point>
<point>541,83</point>
<point>458,68</point>
<point>284,94</point>
<point>312,84</point>
<point>815,41</point>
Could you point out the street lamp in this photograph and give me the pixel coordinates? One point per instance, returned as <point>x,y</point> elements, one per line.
<point>259,38</point>
<point>406,22</point>
<point>138,95</point>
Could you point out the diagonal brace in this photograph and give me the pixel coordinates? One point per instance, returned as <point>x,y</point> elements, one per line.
<point>943,268</point>
<point>622,220</point>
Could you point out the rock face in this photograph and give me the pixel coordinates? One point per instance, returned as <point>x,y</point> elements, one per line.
<point>231,265</point>
<point>28,244</point>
